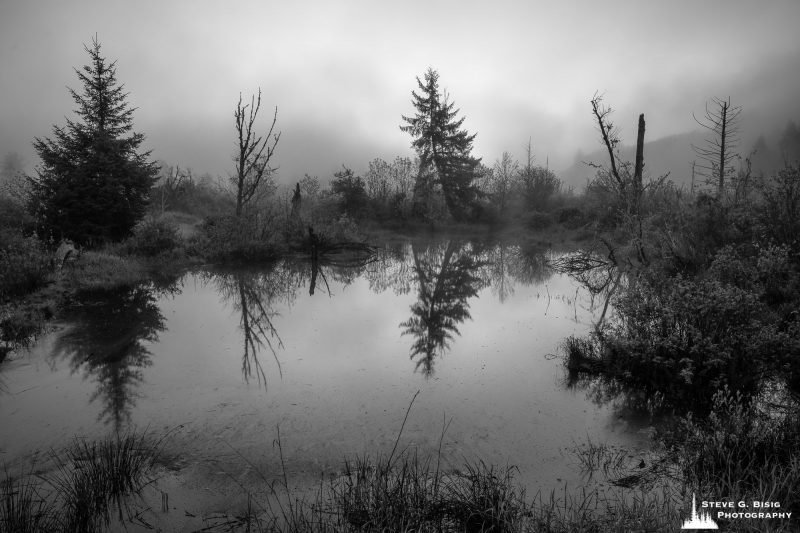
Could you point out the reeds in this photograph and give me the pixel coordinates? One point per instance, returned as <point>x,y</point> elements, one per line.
<point>89,482</point>
<point>23,507</point>
<point>583,355</point>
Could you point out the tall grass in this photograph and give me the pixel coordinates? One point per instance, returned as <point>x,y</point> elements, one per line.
<point>743,452</point>
<point>23,507</point>
<point>104,271</point>
<point>403,491</point>
<point>90,482</point>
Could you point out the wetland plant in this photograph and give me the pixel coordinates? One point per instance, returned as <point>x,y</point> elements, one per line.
<point>90,481</point>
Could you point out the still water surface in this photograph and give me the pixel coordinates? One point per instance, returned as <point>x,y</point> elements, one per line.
<point>329,352</point>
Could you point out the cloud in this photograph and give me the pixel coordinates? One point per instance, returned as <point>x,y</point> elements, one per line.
<point>341,73</point>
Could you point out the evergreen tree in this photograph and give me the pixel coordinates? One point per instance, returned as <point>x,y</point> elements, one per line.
<point>351,188</point>
<point>93,185</point>
<point>444,148</point>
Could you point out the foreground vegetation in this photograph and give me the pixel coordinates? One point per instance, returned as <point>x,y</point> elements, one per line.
<point>88,486</point>
<point>93,486</point>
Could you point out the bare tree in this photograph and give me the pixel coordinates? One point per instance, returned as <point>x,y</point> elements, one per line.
<point>628,184</point>
<point>172,181</point>
<point>536,183</point>
<point>717,155</point>
<point>610,136</point>
<point>254,151</point>
<point>377,180</point>
<point>505,170</point>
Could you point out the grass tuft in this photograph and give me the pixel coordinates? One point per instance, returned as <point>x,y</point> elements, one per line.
<point>90,481</point>
<point>93,478</point>
<point>23,508</point>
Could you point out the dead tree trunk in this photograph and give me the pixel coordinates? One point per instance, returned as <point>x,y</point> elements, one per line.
<point>254,151</point>
<point>639,166</point>
<point>717,153</point>
<point>722,139</point>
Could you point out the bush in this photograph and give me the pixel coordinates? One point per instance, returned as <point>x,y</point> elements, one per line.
<point>231,238</point>
<point>99,270</point>
<point>741,449</point>
<point>536,220</point>
<point>731,326</point>
<point>14,215</point>
<point>342,229</point>
<point>780,210</point>
<point>571,217</point>
<point>24,264</point>
<point>152,237</point>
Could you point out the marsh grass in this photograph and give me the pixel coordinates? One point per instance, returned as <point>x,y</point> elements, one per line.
<point>94,478</point>
<point>582,355</point>
<point>90,481</point>
<point>403,492</point>
<point>23,507</point>
<point>103,270</point>
<point>601,511</point>
<point>742,452</point>
<point>593,457</point>
<point>484,498</point>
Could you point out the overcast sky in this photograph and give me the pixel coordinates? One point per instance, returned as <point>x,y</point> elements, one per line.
<point>341,72</point>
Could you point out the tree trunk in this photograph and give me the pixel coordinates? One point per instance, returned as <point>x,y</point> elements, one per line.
<point>639,168</point>
<point>721,186</point>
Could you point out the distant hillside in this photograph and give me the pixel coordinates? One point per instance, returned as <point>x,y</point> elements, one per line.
<point>671,154</point>
<point>674,154</point>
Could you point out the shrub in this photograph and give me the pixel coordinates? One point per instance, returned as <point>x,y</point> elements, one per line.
<point>780,210</point>
<point>232,238</point>
<point>14,215</point>
<point>24,264</point>
<point>99,270</point>
<point>571,217</point>
<point>741,450</point>
<point>152,237</point>
<point>536,220</point>
<point>731,326</point>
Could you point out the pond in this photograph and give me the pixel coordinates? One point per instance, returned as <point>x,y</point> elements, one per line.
<point>330,353</point>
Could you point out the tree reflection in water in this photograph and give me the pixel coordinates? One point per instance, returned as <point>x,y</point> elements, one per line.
<point>502,266</point>
<point>252,294</point>
<point>446,278</point>
<point>108,340</point>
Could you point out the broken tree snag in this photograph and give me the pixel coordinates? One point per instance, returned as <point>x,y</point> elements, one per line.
<point>639,167</point>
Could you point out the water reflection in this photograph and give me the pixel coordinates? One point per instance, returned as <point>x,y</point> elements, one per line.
<point>107,341</point>
<point>446,277</point>
<point>632,399</point>
<point>110,332</point>
<point>344,268</point>
<point>252,295</point>
<point>503,266</point>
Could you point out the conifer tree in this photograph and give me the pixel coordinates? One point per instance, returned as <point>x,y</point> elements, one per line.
<point>444,148</point>
<point>93,184</point>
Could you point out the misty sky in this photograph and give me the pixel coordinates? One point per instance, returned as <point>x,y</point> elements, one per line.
<point>341,72</point>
